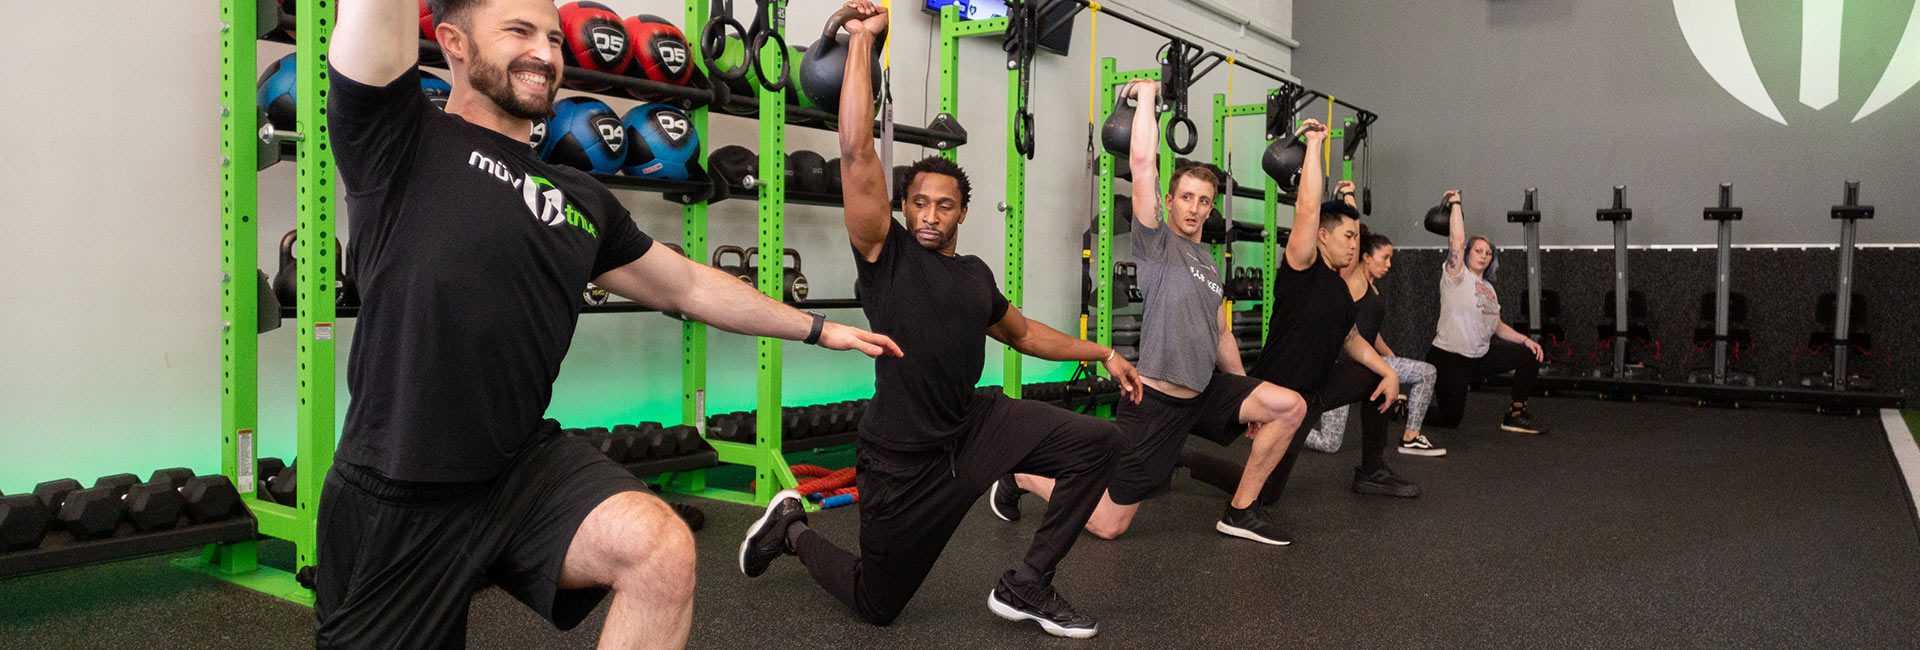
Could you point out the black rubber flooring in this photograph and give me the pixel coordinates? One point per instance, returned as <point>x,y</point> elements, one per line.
<point>1632,524</point>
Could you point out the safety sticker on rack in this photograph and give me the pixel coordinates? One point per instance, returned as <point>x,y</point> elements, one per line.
<point>244,459</point>
<point>323,331</point>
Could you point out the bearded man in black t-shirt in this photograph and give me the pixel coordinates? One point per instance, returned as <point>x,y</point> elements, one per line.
<point>471,254</point>
<point>929,445</point>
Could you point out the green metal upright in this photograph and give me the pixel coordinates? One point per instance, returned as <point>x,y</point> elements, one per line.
<point>772,473</point>
<point>952,29</point>
<point>693,334</point>
<point>315,254</point>
<point>1222,112</point>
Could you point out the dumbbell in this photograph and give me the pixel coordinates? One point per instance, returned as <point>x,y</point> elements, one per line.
<point>267,468</point>
<point>793,425</point>
<point>616,445</point>
<point>94,512</point>
<point>684,439</point>
<point>284,487</point>
<point>23,521</point>
<point>174,476</point>
<point>1126,323</point>
<point>209,498</point>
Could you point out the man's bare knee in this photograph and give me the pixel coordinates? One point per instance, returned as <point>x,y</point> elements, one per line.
<point>655,555</point>
<point>1106,529</point>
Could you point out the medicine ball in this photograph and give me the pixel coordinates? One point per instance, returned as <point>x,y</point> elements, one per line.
<point>806,172</point>
<point>275,93</point>
<point>436,89</point>
<point>585,134</point>
<point>662,142</point>
<point>426,34</point>
<point>733,164</point>
<point>660,53</point>
<point>595,40</point>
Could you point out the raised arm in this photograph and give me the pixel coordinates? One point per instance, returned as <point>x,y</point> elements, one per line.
<point>1456,232</point>
<point>1306,201</point>
<point>1033,338</point>
<point>1143,152</point>
<point>664,280</point>
<point>863,183</point>
<point>1343,190</point>
<point>375,40</point>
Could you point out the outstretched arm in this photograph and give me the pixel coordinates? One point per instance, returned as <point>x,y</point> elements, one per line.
<point>1035,339</point>
<point>375,40</point>
<point>1143,152</point>
<point>664,280</point>
<point>863,183</point>
<point>1306,201</point>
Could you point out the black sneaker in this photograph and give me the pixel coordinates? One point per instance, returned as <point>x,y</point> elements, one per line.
<point>1004,498</point>
<point>1520,421</point>
<point>1251,524</point>
<point>767,538</point>
<point>1421,445</point>
<point>1040,603</point>
<point>1384,483</point>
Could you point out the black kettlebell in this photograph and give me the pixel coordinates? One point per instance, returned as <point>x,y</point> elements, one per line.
<point>825,63</point>
<point>286,283</point>
<point>1237,283</point>
<point>1282,162</point>
<point>796,285</point>
<point>1437,219</point>
<point>1116,136</point>
<point>739,268</point>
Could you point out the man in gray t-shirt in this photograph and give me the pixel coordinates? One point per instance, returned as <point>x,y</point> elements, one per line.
<point>1189,361</point>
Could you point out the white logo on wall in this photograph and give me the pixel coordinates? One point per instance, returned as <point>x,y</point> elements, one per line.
<point>1712,30</point>
<point>609,42</point>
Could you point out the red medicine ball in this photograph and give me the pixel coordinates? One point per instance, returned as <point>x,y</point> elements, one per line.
<point>426,33</point>
<point>660,53</point>
<point>595,40</point>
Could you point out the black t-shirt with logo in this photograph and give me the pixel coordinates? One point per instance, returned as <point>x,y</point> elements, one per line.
<point>470,254</point>
<point>1312,313</point>
<point>938,308</point>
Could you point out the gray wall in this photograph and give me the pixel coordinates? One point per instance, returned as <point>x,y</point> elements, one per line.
<point>1494,96</point>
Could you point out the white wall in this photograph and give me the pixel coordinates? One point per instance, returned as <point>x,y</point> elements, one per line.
<point>109,248</point>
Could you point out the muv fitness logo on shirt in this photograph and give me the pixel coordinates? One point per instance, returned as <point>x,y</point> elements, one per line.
<point>547,203</point>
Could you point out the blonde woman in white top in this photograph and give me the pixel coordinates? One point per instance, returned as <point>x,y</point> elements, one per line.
<point>1471,343</point>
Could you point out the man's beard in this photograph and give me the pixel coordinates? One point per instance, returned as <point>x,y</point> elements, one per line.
<point>497,84</point>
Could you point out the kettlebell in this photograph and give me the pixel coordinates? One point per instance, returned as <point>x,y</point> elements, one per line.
<point>739,268</point>
<point>1282,162</point>
<point>825,64</point>
<point>796,287</point>
<point>1116,136</point>
<point>1237,284</point>
<point>1437,219</point>
<point>286,283</point>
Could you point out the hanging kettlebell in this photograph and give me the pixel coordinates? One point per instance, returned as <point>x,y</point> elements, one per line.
<point>796,283</point>
<point>825,64</point>
<point>286,281</point>
<point>1438,218</point>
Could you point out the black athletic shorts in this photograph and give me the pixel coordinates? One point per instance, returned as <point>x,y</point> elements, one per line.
<point>1155,429</point>
<point>398,562</point>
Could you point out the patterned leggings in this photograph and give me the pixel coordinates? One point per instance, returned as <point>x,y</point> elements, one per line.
<point>1413,373</point>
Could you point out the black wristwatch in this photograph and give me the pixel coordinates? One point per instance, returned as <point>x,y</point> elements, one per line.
<point>819,323</point>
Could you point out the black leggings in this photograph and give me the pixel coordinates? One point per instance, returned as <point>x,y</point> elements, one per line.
<point>911,503</point>
<point>1455,374</point>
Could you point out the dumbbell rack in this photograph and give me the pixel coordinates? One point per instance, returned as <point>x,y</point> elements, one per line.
<point>244,24</point>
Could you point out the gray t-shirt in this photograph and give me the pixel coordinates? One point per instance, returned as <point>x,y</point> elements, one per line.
<point>1180,333</point>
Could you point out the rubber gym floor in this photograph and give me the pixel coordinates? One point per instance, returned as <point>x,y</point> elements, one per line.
<point>1631,524</point>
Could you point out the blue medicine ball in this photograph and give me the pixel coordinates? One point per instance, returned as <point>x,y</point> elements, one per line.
<point>662,142</point>
<point>436,89</point>
<point>275,93</point>
<point>585,134</point>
